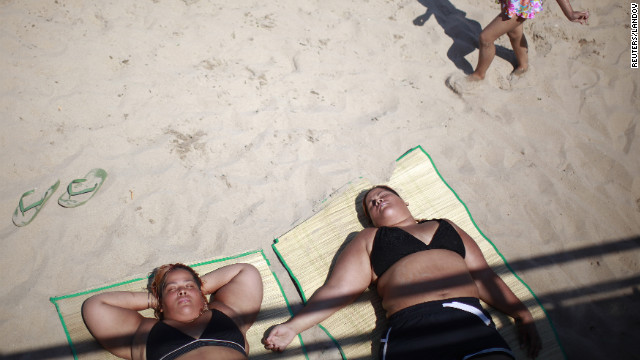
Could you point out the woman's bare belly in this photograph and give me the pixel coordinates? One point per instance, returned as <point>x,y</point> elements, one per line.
<point>425,276</point>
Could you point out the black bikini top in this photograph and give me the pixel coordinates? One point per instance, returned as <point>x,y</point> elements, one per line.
<point>166,342</point>
<point>392,244</point>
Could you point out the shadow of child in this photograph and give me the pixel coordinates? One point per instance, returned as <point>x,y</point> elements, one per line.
<point>463,31</point>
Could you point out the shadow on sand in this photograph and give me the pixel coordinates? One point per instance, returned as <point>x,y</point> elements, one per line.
<point>463,31</point>
<point>564,307</point>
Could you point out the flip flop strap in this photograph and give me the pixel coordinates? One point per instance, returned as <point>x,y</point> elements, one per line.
<point>84,191</point>
<point>35,204</point>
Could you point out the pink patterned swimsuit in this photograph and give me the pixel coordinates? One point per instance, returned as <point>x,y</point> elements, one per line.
<point>526,9</point>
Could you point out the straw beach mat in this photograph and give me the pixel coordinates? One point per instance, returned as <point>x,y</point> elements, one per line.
<point>274,310</point>
<point>309,250</point>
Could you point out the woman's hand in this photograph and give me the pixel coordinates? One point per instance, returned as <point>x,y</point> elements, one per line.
<point>528,336</point>
<point>279,337</point>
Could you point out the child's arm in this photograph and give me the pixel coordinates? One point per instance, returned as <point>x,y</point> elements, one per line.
<point>574,16</point>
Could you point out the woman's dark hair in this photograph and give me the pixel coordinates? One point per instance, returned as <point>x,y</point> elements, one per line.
<point>364,198</point>
<point>157,283</point>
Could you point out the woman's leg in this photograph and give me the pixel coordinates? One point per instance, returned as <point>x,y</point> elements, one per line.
<point>520,48</point>
<point>499,26</point>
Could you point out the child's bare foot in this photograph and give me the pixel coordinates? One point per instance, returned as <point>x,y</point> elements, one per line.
<point>475,77</point>
<point>461,84</point>
<point>519,71</point>
<point>522,77</point>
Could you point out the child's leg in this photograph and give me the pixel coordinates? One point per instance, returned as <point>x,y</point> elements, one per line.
<point>496,28</point>
<point>520,48</point>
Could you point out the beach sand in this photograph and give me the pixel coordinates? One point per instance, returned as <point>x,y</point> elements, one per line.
<point>224,124</point>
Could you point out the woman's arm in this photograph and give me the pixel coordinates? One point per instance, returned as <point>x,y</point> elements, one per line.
<point>496,293</point>
<point>239,287</point>
<point>350,277</point>
<point>113,319</point>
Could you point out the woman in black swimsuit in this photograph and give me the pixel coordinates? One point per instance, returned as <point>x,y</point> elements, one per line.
<point>187,325</point>
<point>430,276</point>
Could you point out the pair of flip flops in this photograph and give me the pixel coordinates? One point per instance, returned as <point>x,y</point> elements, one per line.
<point>78,192</point>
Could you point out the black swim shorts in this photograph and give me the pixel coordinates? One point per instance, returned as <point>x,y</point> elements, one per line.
<point>452,329</point>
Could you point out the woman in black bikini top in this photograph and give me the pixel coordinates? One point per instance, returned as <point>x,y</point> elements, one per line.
<point>430,276</point>
<point>187,325</point>
<point>393,243</point>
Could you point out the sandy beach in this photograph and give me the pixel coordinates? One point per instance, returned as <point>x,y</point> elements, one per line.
<point>223,124</point>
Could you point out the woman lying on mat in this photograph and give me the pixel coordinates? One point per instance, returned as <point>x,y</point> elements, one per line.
<point>187,325</point>
<point>430,276</point>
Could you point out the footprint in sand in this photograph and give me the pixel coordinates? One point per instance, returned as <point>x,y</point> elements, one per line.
<point>584,78</point>
<point>183,144</point>
<point>541,44</point>
<point>460,85</point>
<point>522,80</point>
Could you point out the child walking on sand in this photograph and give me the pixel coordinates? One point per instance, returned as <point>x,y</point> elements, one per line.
<point>512,15</point>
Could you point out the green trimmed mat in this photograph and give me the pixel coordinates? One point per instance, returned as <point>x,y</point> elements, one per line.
<point>309,250</point>
<point>274,310</point>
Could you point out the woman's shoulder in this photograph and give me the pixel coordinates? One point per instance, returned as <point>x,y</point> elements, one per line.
<point>223,308</point>
<point>139,343</point>
<point>365,238</point>
<point>146,325</point>
<point>367,233</point>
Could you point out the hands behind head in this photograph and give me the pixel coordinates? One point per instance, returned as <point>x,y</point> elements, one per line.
<point>152,301</point>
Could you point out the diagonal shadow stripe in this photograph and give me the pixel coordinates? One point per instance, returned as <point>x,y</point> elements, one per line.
<point>553,298</point>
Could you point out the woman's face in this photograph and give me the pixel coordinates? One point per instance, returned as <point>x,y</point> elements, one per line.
<point>385,207</point>
<point>181,294</point>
